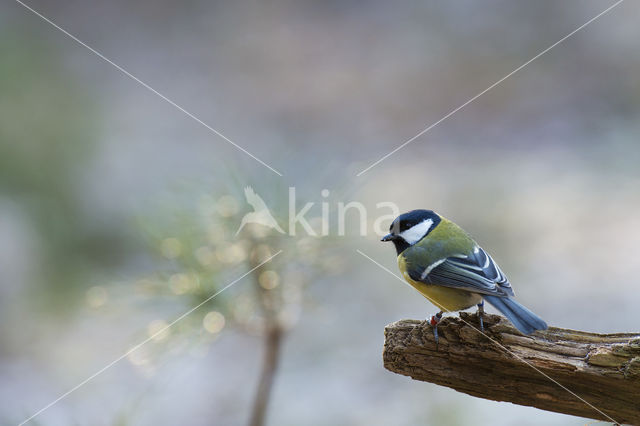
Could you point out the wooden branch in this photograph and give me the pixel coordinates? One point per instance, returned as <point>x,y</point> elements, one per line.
<point>603,369</point>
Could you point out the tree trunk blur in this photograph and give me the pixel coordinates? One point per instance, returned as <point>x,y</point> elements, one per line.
<point>272,342</point>
<point>269,301</point>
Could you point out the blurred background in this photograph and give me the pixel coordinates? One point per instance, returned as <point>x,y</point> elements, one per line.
<point>118,212</point>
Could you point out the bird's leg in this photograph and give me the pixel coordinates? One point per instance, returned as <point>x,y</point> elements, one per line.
<point>435,319</point>
<point>480,313</point>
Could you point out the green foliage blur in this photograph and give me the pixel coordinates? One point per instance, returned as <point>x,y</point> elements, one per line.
<point>48,131</point>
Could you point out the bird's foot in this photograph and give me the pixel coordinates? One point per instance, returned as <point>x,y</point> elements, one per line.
<point>434,321</point>
<point>480,313</point>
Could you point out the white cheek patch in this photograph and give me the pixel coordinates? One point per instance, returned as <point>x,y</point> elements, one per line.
<point>416,232</point>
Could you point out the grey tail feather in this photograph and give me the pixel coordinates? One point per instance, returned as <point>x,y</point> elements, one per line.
<point>522,318</point>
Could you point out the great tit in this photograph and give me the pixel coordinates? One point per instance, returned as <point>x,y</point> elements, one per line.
<point>442,262</point>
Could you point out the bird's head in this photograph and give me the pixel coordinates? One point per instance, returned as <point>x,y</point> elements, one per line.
<point>409,228</point>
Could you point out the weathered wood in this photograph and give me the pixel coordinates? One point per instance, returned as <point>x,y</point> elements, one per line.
<point>602,369</point>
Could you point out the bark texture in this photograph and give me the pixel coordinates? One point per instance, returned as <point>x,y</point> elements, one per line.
<point>602,369</point>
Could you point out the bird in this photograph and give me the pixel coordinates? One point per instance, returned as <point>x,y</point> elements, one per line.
<point>261,213</point>
<point>442,262</point>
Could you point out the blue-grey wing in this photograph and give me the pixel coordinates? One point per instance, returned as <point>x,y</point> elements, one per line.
<point>476,272</point>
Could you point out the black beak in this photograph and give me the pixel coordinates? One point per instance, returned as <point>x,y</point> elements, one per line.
<point>387,237</point>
